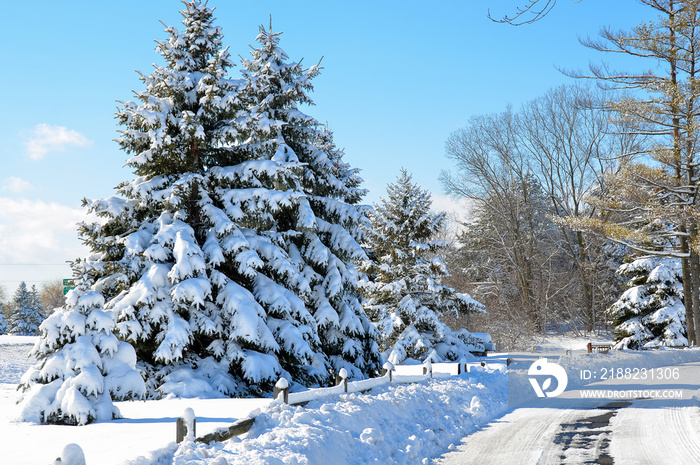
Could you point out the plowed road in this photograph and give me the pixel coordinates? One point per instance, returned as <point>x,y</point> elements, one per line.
<point>633,431</point>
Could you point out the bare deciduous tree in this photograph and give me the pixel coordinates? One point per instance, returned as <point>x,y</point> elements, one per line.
<point>525,171</point>
<point>529,12</point>
<point>51,295</point>
<point>571,142</point>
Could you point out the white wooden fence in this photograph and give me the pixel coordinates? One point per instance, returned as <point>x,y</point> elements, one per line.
<point>402,374</point>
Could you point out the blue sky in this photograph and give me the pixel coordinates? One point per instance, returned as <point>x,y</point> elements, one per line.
<point>398,78</point>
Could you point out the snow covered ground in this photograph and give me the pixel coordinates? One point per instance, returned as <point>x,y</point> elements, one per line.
<point>443,420</point>
<point>14,361</point>
<point>558,342</point>
<point>397,424</point>
<point>146,427</point>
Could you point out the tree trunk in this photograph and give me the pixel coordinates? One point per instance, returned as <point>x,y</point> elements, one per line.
<point>687,291</point>
<point>586,287</point>
<point>688,301</point>
<point>694,291</point>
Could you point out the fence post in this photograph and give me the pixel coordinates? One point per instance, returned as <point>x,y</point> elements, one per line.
<point>72,455</point>
<point>186,426</point>
<point>388,368</point>
<point>282,387</point>
<point>342,378</point>
<point>462,366</point>
<point>428,368</point>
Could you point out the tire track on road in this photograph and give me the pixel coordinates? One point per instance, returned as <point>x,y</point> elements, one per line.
<point>643,434</point>
<point>524,436</point>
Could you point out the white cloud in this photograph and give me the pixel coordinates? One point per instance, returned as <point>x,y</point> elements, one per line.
<point>16,185</point>
<point>36,239</point>
<point>45,138</point>
<point>459,210</point>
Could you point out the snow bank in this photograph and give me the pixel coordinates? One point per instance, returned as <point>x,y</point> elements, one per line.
<point>393,424</point>
<point>403,374</point>
<point>10,339</point>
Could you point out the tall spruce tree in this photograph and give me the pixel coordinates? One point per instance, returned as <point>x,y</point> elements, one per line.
<point>154,257</point>
<point>28,312</point>
<point>404,293</point>
<point>650,313</point>
<point>230,252</point>
<point>321,235</point>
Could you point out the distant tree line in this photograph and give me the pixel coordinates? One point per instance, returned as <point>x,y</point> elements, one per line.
<point>26,310</point>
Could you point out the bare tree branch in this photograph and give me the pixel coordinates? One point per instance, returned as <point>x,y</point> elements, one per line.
<point>534,10</point>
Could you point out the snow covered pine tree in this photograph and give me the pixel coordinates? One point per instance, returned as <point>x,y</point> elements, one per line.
<point>82,366</point>
<point>28,312</point>
<point>403,294</point>
<point>321,235</point>
<point>228,258</point>
<point>651,312</point>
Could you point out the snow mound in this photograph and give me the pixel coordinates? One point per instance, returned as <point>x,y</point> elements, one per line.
<point>400,423</point>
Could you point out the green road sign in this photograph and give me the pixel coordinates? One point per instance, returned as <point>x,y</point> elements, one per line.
<point>68,284</point>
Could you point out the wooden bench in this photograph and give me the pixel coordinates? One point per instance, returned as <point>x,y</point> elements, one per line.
<point>600,348</point>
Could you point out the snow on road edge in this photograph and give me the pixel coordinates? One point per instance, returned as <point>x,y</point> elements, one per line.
<point>393,424</point>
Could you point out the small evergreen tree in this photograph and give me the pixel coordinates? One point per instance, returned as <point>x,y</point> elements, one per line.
<point>404,293</point>
<point>82,366</point>
<point>28,312</point>
<point>650,313</point>
<point>37,304</point>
